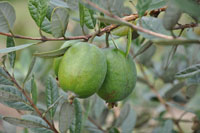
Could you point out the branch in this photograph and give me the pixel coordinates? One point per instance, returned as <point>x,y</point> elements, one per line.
<point>45,38</point>
<point>192,25</point>
<point>138,28</point>
<point>52,127</point>
<point>107,29</point>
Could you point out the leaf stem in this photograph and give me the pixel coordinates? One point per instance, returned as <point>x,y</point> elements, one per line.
<point>107,39</point>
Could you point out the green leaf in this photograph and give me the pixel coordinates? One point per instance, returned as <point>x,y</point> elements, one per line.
<point>8,96</point>
<point>20,103</point>
<point>34,90</point>
<point>78,116</point>
<point>142,6</point>
<point>11,55</point>
<point>194,79</point>
<point>157,130</point>
<point>81,14</point>
<point>59,21</point>
<point>30,69</point>
<point>7,17</point>
<point>172,91</point>
<point>98,106</point>
<point>153,24</point>
<point>22,122</point>
<point>143,48</point>
<point>127,119</point>
<point>13,91</point>
<point>27,86</point>
<point>40,121</point>
<point>4,79</point>
<point>72,4</point>
<point>36,119</point>
<point>191,90</point>
<point>146,56</point>
<point>114,130</point>
<point>41,130</point>
<point>54,53</point>
<point>155,4</point>
<point>38,10</point>
<point>25,130</point>
<point>168,127</point>
<point>90,127</point>
<point>12,49</point>
<point>66,116</point>
<point>51,94</point>
<point>89,20</point>
<point>59,3</point>
<point>189,6</point>
<point>46,24</point>
<point>188,72</point>
<point>116,7</point>
<point>171,16</point>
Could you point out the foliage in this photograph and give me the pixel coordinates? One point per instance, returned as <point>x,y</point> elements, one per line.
<point>162,37</point>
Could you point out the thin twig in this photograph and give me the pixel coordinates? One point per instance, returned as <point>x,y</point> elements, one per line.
<point>192,25</point>
<point>177,120</point>
<point>52,127</point>
<point>131,17</point>
<point>46,38</point>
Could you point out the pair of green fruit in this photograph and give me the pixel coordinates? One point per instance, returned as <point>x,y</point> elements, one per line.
<point>85,69</point>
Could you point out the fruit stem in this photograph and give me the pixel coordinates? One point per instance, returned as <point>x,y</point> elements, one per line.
<point>112,105</point>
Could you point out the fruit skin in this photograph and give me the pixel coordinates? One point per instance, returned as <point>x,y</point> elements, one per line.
<point>123,30</point>
<point>56,64</point>
<point>197,31</point>
<point>56,61</point>
<point>120,78</point>
<point>82,69</point>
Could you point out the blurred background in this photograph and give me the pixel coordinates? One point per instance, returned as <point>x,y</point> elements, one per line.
<point>151,114</point>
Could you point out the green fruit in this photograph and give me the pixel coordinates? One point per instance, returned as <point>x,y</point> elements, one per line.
<point>197,31</point>
<point>57,60</point>
<point>56,64</point>
<point>121,30</point>
<point>120,78</point>
<point>82,69</point>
